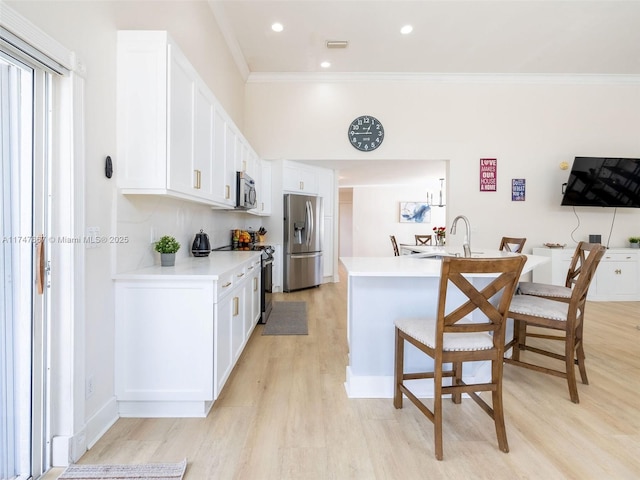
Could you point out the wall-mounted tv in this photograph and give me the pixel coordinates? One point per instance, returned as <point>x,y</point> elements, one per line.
<point>603,182</point>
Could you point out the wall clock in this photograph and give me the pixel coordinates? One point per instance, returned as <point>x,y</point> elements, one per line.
<point>366,133</point>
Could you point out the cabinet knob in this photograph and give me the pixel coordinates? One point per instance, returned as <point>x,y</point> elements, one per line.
<point>618,271</point>
<point>227,190</point>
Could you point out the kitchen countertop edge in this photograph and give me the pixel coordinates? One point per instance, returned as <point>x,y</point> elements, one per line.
<point>217,264</point>
<point>410,266</point>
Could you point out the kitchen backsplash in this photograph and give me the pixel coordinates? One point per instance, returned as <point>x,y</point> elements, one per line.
<point>142,217</point>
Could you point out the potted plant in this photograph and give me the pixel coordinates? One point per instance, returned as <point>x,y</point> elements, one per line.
<point>167,246</point>
<point>634,242</point>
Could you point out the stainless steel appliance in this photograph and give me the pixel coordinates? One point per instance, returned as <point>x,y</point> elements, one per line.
<point>266,299</point>
<point>246,197</point>
<point>303,230</point>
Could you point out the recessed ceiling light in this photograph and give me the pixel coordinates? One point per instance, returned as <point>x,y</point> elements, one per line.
<point>325,64</point>
<point>277,27</point>
<point>407,29</point>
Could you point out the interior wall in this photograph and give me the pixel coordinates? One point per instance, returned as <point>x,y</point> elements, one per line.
<point>89,29</point>
<point>345,222</point>
<point>530,125</point>
<point>378,217</point>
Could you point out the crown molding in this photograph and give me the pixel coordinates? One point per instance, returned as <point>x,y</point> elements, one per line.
<point>447,78</point>
<point>229,37</point>
<point>22,28</point>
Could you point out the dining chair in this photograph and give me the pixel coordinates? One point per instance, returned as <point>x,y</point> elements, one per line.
<point>396,252</point>
<point>469,326</point>
<point>423,239</point>
<point>512,244</point>
<point>550,316</point>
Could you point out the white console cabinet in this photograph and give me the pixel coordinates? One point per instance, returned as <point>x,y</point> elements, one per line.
<point>617,277</point>
<point>180,331</point>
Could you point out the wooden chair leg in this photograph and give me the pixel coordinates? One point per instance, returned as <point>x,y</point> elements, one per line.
<point>571,370</point>
<point>437,412</point>
<point>583,369</point>
<point>580,356</point>
<point>398,370</point>
<point>498,410</point>
<point>457,380</point>
<point>520,336</point>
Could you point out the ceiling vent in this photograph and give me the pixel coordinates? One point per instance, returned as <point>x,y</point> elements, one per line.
<point>337,44</point>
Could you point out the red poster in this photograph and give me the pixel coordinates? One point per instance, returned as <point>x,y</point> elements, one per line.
<point>488,174</point>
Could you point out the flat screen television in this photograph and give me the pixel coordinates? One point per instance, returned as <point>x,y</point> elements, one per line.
<point>603,182</point>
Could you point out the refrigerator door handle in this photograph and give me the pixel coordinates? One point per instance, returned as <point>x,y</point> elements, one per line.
<point>309,213</point>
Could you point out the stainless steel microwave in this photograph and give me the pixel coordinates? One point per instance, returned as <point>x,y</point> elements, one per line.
<point>246,197</point>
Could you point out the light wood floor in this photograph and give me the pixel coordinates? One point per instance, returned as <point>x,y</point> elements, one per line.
<point>284,414</point>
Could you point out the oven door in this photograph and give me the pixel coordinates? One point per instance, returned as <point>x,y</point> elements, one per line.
<point>266,299</point>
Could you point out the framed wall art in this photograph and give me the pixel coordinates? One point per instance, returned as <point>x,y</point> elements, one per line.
<point>415,212</point>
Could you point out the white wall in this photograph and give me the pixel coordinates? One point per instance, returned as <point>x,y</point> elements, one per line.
<point>89,29</point>
<point>378,217</point>
<point>529,125</point>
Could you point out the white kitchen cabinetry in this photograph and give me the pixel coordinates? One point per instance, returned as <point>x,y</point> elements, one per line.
<point>327,190</point>
<point>299,178</point>
<point>156,89</point>
<point>174,138</point>
<point>617,277</point>
<point>264,190</point>
<point>253,308</point>
<point>164,348</point>
<point>178,336</point>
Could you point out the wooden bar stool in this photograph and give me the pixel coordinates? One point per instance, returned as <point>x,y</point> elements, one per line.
<point>452,338</point>
<point>512,244</point>
<point>557,315</point>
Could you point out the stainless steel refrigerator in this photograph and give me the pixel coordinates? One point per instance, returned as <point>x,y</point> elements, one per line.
<point>303,230</point>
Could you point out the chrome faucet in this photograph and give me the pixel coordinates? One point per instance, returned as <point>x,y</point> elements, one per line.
<point>467,237</point>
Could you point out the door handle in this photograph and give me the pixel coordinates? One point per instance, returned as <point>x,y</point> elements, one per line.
<point>40,264</point>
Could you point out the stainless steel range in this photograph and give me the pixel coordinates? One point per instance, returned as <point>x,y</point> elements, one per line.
<point>267,281</point>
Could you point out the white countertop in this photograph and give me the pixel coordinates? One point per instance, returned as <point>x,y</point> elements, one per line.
<point>194,268</point>
<point>418,266</point>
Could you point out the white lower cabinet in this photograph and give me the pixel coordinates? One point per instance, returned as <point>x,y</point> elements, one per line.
<point>617,277</point>
<point>164,348</point>
<point>177,341</point>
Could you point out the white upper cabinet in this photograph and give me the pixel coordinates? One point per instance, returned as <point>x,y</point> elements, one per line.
<point>224,167</point>
<point>264,193</point>
<point>298,178</point>
<point>327,190</point>
<point>174,138</point>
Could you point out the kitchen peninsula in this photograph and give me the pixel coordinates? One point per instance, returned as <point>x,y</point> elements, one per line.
<point>383,288</point>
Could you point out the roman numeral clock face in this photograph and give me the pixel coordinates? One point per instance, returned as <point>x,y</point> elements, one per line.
<point>366,133</point>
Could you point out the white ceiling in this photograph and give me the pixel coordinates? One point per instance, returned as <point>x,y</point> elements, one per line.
<point>449,36</point>
<point>516,37</point>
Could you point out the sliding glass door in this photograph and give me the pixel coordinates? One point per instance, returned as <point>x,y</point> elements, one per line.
<point>25,147</point>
